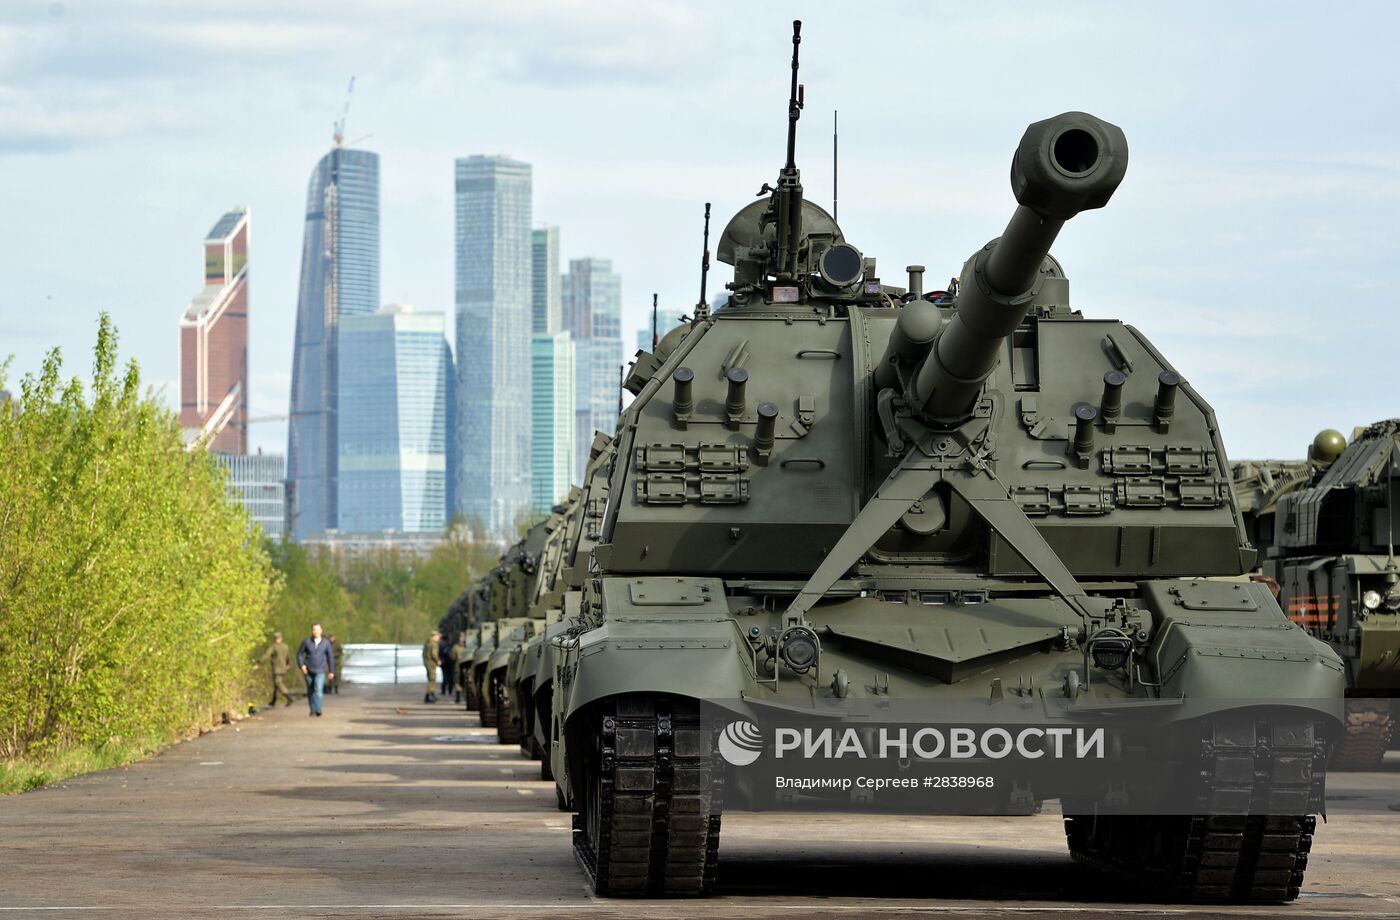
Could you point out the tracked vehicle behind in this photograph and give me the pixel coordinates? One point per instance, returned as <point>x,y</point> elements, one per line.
<point>1327,533</point>
<point>836,490</point>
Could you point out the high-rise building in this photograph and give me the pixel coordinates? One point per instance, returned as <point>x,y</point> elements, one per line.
<point>546,316</point>
<point>552,420</point>
<point>339,277</point>
<point>666,320</point>
<point>593,300</point>
<point>395,384</point>
<point>593,314</point>
<point>214,341</point>
<point>493,300</point>
<point>256,482</point>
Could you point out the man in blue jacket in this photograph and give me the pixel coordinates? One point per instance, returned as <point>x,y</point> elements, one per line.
<point>317,663</point>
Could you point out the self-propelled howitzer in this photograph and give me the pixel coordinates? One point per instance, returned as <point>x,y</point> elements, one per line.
<point>836,491</point>
<point>1327,530</point>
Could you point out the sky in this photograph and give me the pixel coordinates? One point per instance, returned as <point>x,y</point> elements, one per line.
<point>1253,240</point>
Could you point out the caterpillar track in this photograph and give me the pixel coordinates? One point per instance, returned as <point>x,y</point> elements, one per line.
<point>649,821</point>
<point>469,693</point>
<point>1370,726</point>
<point>507,729</point>
<point>1259,783</point>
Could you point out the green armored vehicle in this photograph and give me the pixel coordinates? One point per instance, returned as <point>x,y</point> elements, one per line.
<point>528,564</point>
<point>476,601</point>
<point>546,605</point>
<point>488,636</point>
<point>1258,485</point>
<point>582,527</point>
<point>1326,534</point>
<point>836,491</point>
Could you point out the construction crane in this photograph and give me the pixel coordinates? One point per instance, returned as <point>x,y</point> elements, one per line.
<point>277,418</point>
<point>344,114</point>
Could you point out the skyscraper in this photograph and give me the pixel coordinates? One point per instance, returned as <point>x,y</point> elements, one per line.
<point>493,294</point>
<point>339,277</point>
<point>214,341</point>
<point>552,420</point>
<point>256,481</point>
<point>593,314</point>
<point>546,315</point>
<point>395,384</point>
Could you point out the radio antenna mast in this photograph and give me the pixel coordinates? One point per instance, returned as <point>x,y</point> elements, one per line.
<point>702,309</point>
<point>833,165</point>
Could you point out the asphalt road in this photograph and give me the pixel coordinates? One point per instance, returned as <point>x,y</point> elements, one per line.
<point>389,808</point>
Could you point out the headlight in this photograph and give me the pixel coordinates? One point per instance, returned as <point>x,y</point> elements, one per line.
<point>1110,649</point>
<point>799,648</point>
<point>1371,600</point>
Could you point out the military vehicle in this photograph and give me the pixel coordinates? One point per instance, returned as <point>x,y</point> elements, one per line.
<point>584,529</point>
<point>834,488</point>
<point>546,606</point>
<point>476,604</point>
<point>1325,530</point>
<point>515,602</point>
<point>488,635</point>
<point>1257,485</point>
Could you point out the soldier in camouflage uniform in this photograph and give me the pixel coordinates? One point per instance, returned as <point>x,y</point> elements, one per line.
<point>459,652</point>
<point>334,686</point>
<point>431,660</point>
<point>280,658</point>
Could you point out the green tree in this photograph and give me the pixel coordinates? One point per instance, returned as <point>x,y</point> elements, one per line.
<point>131,593</point>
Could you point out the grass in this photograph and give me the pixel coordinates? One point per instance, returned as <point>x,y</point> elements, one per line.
<point>24,775</point>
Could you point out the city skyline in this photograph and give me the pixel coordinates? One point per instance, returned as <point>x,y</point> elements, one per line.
<point>102,116</point>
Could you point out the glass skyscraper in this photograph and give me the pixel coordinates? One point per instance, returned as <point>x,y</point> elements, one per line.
<point>339,278</point>
<point>494,280</point>
<point>552,420</point>
<point>256,481</point>
<point>395,386</point>
<point>593,314</point>
<point>546,310</point>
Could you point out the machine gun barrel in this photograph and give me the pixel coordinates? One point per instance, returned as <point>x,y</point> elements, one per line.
<point>1064,165</point>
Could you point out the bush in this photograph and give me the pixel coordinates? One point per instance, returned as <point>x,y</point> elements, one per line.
<point>131,590</point>
<point>378,596</point>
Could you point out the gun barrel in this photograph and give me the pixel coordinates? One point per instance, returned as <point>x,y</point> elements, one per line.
<point>1063,165</point>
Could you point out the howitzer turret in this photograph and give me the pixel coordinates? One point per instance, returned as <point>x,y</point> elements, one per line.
<point>1064,165</point>
<point>1019,506</point>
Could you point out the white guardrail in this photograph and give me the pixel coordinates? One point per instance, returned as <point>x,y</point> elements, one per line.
<point>376,663</point>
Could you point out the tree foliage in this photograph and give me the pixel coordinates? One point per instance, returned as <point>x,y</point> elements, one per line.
<point>131,593</point>
<point>379,596</point>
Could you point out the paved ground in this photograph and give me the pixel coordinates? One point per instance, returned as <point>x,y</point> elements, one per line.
<point>388,808</point>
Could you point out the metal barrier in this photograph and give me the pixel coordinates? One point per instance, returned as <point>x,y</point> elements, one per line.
<point>382,663</point>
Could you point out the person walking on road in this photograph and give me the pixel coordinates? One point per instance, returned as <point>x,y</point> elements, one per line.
<point>317,663</point>
<point>334,685</point>
<point>431,660</point>
<point>280,658</point>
